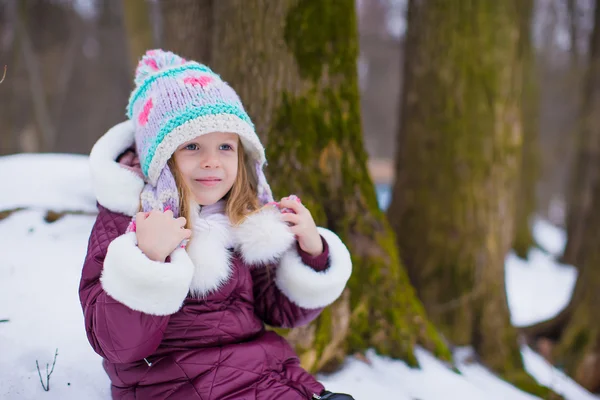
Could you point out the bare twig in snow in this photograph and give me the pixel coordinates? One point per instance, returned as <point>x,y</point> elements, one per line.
<point>47,385</point>
<point>3,75</point>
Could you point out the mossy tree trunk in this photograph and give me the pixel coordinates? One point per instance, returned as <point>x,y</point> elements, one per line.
<point>136,14</point>
<point>573,336</point>
<point>575,331</point>
<point>529,170</point>
<point>586,168</point>
<point>457,163</point>
<point>187,28</point>
<point>294,65</point>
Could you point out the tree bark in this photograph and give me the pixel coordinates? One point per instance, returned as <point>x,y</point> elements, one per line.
<point>530,161</point>
<point>587,160</point>
<point>294,65</point>
<point>459,152</point>
<point>102,76</point>
<point>573,30</point>
<point>574,333</point>
<point>8,55</point>
<point>187,28</point>
<point>44,29</point>
<point>139,31</point>
<point>576,330</point>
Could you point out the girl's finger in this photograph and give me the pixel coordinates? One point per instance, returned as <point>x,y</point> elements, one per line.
<point>292,204</point>
<point>181,221</point>
<point>186,233</point>
<point>292,218</point>
<point>296,230</point>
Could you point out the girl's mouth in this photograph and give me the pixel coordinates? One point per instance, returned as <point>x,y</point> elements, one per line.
<point>209,181</point>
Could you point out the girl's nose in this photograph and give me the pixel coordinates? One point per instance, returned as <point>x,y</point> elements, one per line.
<point>211,161</point>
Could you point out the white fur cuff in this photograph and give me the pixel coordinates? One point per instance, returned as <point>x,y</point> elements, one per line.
<point>311,289</point>
<point>264,237</point>
<point>142,284</point>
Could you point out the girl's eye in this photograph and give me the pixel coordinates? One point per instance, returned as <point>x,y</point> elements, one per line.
<point>226,147</point>
<point>191,146</point>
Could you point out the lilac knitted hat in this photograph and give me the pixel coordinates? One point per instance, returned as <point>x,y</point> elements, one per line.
<point>176,100</point>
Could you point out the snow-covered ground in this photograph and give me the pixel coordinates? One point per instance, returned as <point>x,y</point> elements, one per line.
<point>39,276</point>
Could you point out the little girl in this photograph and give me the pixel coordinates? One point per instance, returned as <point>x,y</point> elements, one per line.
<point>190,257</point>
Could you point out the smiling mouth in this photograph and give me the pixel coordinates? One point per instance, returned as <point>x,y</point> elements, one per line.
<point>209,181</point>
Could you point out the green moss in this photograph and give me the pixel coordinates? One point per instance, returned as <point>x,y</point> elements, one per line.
<point>526,383</point>
<point>322,35</point>
<point>581,341</point>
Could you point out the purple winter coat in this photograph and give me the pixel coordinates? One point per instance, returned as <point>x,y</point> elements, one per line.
<point>193,327</point>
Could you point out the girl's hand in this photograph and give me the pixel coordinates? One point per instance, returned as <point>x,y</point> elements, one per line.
<point>302,225</point>
<point>159,234</point>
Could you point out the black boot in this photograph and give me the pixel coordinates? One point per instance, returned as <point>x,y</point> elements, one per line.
<point>326,395</point>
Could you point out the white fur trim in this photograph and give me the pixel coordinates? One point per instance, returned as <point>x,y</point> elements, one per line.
<point>201,126</point>
<point>208,249</point>
<point>115,187</point>
<point>263,237</point>
<point>142,284</point>
<point>311,289</point>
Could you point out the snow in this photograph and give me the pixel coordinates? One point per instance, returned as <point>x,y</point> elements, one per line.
<point>541,277</point>
<point>48,181</point>
<point>39,277</point>
<point>38,293</point>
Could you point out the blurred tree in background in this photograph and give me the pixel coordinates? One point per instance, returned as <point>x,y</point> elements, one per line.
<point>68,78</point>
<point>586,168</point>
<point>530,160</point>
<point>139,29</point>
<point>457,171</point>
<point>187,28</point>
<point>575,332</point>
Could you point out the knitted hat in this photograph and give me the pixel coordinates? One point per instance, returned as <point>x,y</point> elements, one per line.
<point>176,100</point>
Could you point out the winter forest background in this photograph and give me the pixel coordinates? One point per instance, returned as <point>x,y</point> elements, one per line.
<point>453,145</point>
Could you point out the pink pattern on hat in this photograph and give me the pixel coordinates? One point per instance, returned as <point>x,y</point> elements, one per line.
<point>143,117</point>
<point>202,80</point>
<point>151,63</point>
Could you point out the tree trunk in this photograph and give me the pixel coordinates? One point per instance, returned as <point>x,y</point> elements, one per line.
<point>529,170</point>
<point>187,28</point>
<point>585,171</point>
<point>576,330</point>
<point>104,71</point>
<point>139,31</point>
<point>44,28</point>
<point>294,65</point>
<point>8,55</point>
<point>459,152</point>
<point>573,31</point>
<point>574,334</point>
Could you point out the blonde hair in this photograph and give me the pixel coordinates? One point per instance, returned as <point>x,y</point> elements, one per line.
<point>241,200</point>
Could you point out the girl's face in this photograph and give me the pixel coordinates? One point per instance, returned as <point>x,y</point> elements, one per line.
<point>208,164</point>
